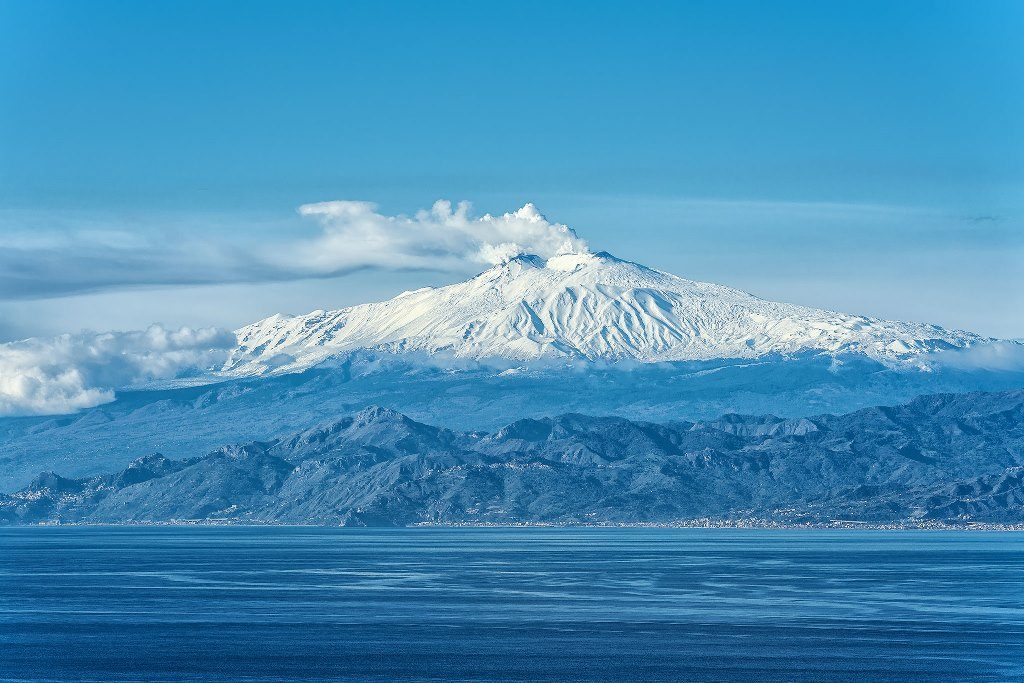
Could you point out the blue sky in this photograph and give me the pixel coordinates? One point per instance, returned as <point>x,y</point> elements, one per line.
<point>866,157</point>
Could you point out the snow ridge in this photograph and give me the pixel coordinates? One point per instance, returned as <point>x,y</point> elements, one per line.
<point>579,306</point>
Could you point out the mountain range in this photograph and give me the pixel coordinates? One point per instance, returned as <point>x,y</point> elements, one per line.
<point>954,458</point>
<point>511,361</point>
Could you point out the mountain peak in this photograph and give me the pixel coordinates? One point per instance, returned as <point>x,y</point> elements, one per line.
<point>579,305</point>
<point>377,414</point>
<point>525,260</point>
<point>568,261</point>
<point>581,259</point>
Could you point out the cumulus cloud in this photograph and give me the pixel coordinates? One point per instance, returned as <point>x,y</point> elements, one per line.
<point>352,235</point>
<point>70,372</point>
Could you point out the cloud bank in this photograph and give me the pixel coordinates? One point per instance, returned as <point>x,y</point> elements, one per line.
<point>996,356</point>
<point>352,235</point>
<point>71,372</point>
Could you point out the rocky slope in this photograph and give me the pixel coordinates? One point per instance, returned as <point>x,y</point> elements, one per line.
<point>942,457</point>
<point>190,420</point>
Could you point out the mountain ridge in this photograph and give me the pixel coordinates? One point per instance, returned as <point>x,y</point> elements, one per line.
<point>945,458</point>
<point>472,397</point>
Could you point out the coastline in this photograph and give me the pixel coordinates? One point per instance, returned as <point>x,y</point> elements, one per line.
<point>754,524</point>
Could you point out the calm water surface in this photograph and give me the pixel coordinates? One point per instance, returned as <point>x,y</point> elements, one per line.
<point>163,604</point>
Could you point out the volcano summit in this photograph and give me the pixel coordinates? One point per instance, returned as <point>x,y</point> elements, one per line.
<point>582,307</point>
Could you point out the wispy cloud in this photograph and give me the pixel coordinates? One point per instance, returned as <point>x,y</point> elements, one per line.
<point>70,372</point>
<point>352,236</point>
<point>79,263</point>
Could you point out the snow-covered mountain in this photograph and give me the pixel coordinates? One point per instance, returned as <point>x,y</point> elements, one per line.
<point>579,306</point>
<point>583,306</point>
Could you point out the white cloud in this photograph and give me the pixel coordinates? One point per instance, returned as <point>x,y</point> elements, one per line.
<point>1000,356</point>
<point>70,372</point>
<point>352,236</point>
<point>356,235</point>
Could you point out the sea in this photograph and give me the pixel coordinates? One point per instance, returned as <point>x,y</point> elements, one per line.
<point>186,603</point>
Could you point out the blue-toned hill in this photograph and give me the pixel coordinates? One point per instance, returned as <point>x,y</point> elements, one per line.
<point>950,457</point>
